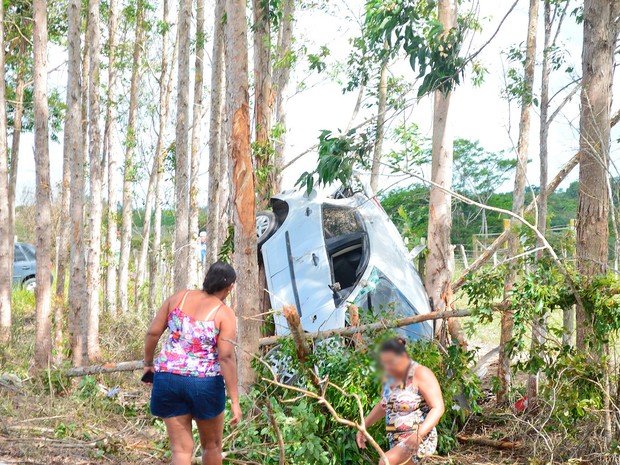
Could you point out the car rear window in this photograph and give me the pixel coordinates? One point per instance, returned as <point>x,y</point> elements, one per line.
<point>18,256</point>
<point>340,221</point>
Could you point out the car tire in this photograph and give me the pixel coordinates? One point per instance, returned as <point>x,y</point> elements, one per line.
<point>266,226</point>
<point>30,284</point>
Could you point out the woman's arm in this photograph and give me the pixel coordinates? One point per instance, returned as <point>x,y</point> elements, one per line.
<point>429,389</point>
<point>373,417</point>
<point>228,360</point>
<point>157,328</point>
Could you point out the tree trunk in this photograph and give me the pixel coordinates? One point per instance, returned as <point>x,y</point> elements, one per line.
<point>129,165</point>
<point>440,262</point>
<point>182,175</point>
<point>6,239</point>
<point>539,328</point>
<point>263,102</point>
<point>216,154</point>
<point>378,149</point>
<point>282,74</point>
<point>74,140</point>
<point>43,341</point>
<point>93,270</point>
<point>599,40</point>
<point>194,266</point>
<point>165,90</point>
<point>146,232</point>
<point>244,203</point>
<point>113,152</point>
<point>518,202</point>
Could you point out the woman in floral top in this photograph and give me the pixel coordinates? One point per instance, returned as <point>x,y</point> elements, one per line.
<point>411,403</point>
<point>196,366</point>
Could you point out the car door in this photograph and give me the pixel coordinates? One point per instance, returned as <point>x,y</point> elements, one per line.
<point>21,265</point>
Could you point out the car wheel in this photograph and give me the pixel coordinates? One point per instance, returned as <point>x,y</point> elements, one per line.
<point>30,284</point>
<point>266,225</point>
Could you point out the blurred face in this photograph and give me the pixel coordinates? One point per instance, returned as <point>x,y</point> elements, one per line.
<point>394,365</point>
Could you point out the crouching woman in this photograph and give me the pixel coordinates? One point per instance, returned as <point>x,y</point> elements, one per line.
<point>411,403</point>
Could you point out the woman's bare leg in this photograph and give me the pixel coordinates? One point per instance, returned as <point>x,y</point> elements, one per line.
<point>181,439</point>
<point>211,432</point>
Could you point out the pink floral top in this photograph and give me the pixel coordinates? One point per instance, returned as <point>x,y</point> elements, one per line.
<point>191,347</point>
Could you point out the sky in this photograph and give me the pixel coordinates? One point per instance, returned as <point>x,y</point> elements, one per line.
<point>317,102</point>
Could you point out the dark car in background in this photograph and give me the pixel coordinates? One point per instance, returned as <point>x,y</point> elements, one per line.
<point>24,265</point>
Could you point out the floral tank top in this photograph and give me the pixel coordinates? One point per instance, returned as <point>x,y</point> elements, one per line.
<point>191,346</point>
<point>405,409</point>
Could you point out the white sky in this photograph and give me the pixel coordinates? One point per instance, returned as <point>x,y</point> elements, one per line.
<point>477,112</point>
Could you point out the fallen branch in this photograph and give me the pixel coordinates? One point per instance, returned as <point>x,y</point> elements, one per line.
<point>271,340</point>
<point>481,441</point>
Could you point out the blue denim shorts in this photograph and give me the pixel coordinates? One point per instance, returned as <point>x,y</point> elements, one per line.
<point>176,395</point>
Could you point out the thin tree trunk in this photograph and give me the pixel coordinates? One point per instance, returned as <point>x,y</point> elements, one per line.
<point>165,90</point>
<point>244,208</point>
<point>93,270</point>
<point>146,232</point>
<point>113,151</point>
<point>440,260</point>
<point>282,74</point>
<point>43,341</point>
<point>216,154</point>
<point>193,263</point>
<point>74,135</point>
<point>600,34</point>
<point>539,328</point>
<point>6,239</point>
<point>263,102</point>
<point>129,165</point>
<point>518,202</point>
<point>182,174</point>
<point>378,149</point>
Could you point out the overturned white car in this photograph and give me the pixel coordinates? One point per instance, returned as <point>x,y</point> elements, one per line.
<point>324,253</point>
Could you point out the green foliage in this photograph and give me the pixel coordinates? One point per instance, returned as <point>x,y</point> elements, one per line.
<point>311,435</point>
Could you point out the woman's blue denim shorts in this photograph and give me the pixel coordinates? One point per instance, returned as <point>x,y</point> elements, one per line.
<point>175,395</point>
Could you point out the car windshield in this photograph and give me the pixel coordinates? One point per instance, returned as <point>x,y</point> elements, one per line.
<point>347,249</point>
<point>381,297</point>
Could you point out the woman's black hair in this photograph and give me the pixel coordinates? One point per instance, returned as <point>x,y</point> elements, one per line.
<point>397,346</point>
<point>219,276</point>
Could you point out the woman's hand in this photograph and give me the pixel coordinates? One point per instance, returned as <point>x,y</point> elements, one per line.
<point>148,369</point>
<point>360,438</point>
<point>236,414</point>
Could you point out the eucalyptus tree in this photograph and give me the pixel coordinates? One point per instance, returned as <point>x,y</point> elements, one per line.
<point>218,160</point>
<point>600,33</point>
<point>43,187</point>
<point>129,164</point>
<point>243,187</point>
<point>518,203</point>
<point>182,168</point>
<point>95,213</point>
<point>198,112</point>
<point>6,241</point>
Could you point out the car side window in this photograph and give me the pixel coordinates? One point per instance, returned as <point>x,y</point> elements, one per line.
<point>29,252</point>
<point>19,255</point>
<point>340,221</point>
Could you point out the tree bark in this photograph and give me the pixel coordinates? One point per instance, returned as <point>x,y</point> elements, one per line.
<point>243,193</point>
<point>74,140</point>
<point>113,152</point>
<point>518,201</point>
<point>182,174</point>
<point>378,149</point>
<point>129,164</point>
<point>216,154</point>
<point>600,33</point>
<point>539,328</point>
<point>195,266</point>
<point>263,102</point>
<point>440,259</point>
<point>93,270</point>
<point>43,341</point>
<point>165,90</point>
<point>6,239</point>
<point>282,73</point>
